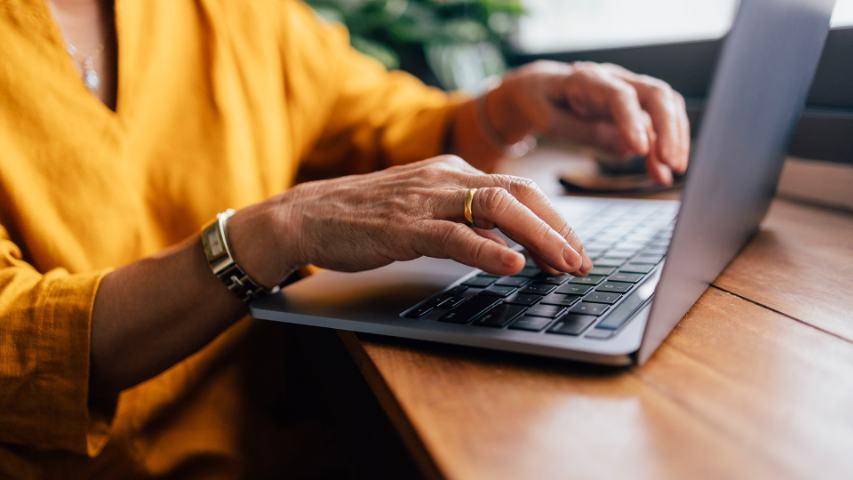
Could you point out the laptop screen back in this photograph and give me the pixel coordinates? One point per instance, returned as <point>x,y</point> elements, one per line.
<point>759,89</point>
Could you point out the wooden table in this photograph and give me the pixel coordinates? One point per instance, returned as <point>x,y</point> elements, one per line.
<point>755,382</point>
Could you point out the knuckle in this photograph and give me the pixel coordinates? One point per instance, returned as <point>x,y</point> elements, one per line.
<point>495,199</point>
<point>542,229</point>
<point>655,83</point>
<point>434,173</point>
<point>566,231</point>
<point>624,92</point>
<point>610,67</point>
<point>453,160</point>
<point>446,233</point>
<point>524,184</point>
<point>512,182</point>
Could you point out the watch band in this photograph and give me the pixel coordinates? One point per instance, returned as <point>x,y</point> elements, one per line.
<point>218,253</point>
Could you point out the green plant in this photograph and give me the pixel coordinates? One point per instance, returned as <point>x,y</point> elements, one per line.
<point>454,43</point>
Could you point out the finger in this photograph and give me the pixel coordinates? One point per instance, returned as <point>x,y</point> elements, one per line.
<point>495,206</point>
<point>662,104</point>
<point>659,101</point>
<point>529,194</point>
<point>684,133</point>
<point>602,134</point>
<point>656,169</point>
<point>491,235</point>
<point>445,239</point>
<point>620,100</point>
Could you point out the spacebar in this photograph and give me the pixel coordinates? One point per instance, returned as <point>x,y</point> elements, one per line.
<point>626,309</point>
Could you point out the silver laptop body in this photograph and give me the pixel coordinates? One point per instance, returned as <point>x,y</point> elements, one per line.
<point>759,89</point>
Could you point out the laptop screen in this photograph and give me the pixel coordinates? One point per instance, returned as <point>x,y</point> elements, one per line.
<point>759,89</point>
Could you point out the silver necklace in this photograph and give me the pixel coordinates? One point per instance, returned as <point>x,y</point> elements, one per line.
<point>86,65</point>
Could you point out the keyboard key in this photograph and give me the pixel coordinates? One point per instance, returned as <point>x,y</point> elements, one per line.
<point>632,245</point>
<point>512,281</point>
<point>636,268</point>
<point>449,297</point>
<point>550,311</point>
<point>588,280</point>
<point>572,324</point>
<point>573,289</point>
<point>647,259</point>
<point>560,299</point>
<point>613,321</point>
<point>654,251</point>
<point>602,297</point>
<point>499,316</point>
<point>421,310</point>
<point>456,301</point>
<point>532,324</point>
<point>626,277</point>
<point>610,261</point>
<point>528,272</point>
<point>499,290</point>
<point>523,299</point>
<point>589,308</point>
<point>617,287</point>
<point>599,334</point>
<point>621,252</point>
<point>555,280</point>
<point>599,245</point>
<point>479,281</point>
<point>539,288</point>
<point>442,300</point>
<point>598,270</point>
<point>471,309</point>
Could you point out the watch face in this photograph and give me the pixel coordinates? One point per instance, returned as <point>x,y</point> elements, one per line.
<point>217,249</point>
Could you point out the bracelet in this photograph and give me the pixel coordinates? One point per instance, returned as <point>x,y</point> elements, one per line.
<point>515,150</point>
<point>218,253</point>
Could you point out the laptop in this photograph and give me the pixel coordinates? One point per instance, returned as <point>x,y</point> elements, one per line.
<point>653,259</point>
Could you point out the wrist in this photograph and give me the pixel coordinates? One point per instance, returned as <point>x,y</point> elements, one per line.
<point>263,247</point>
<point>504,114</point>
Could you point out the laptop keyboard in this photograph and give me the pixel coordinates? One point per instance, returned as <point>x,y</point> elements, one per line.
<point>626,245</point>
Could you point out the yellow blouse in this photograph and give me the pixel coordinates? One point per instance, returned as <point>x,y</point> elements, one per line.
<point>220,104</point>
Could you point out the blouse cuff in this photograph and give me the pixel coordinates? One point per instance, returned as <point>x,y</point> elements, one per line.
<point>63,367</point>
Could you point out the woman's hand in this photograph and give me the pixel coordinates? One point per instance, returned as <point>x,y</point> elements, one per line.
<point>602,105</point>
<point>361,222</point>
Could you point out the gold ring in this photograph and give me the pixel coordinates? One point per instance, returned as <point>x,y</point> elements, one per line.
<point>469,200</point>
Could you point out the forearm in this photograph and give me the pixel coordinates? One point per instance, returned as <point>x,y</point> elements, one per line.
<point>152,313</point>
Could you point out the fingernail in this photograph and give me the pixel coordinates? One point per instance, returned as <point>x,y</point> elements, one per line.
<point>509,258</point>
<point>642,138</point>
<point>667,176</point>
<point>572,258</point>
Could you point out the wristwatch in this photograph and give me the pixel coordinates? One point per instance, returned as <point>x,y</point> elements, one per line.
<point>217,250</point>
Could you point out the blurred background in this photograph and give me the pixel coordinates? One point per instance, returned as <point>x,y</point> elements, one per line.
<point>464,44</point>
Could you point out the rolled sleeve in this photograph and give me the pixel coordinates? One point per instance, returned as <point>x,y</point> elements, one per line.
<point>371,118</point>
<point>45,338</point>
